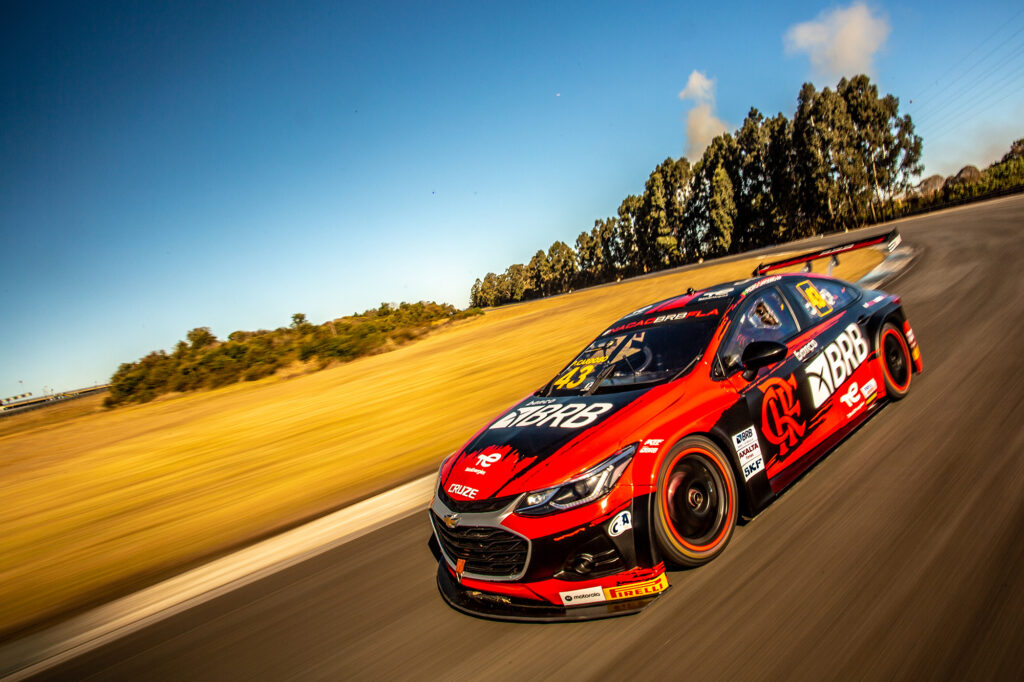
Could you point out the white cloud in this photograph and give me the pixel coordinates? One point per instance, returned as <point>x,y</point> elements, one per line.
<point>698,87</point>
<point>701,123</point>
<point>702,126</point>
<point>840,42</point>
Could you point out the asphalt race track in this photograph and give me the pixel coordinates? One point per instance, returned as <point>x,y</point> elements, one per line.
<point>901,555</point>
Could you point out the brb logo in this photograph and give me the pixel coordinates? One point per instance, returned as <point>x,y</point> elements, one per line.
<point>836,364</point>
<point>779,412</point>
<point>487,460</point>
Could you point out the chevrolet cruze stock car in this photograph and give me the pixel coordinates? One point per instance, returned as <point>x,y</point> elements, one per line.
<point>643,451</point>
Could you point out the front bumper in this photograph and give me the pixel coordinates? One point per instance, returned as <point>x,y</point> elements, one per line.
<point>590,562</point>
<point>502,607</point>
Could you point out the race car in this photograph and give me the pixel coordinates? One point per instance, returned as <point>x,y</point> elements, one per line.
<point>645,449</point>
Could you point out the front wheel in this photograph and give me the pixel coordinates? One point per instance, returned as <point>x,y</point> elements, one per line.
<point>696,503</point>
<point>896,369</point>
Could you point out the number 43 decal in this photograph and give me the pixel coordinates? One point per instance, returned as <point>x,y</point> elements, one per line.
<point>574,377</point>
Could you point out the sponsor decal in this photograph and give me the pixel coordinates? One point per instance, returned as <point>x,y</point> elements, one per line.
<point>620,524</point>
<point>915,352</point>
<point>761,283</point>
<point>671,317</point>
<point>861,396</point>
<point>869,389</point>
<point>717,293</point>
<point>749,452</point>
<point>484,461</point>
<point>587,595</point>
<point>652,445</point>
<point>589,361</point>
<point>852,395</point>
<point>779,412</point>
<point>876,299</point>
<point>806,350</point>
<point>563,416</point>
<point>648,587</point>
<point>895,243</point>
<point>815,297</point>
<point>835,364</point>
<point>463,491</point>
<point>487,460</point>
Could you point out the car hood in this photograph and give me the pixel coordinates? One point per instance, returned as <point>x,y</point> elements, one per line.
<point>515,453</point>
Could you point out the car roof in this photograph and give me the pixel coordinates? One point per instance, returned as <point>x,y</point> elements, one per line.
<point>721,296</point>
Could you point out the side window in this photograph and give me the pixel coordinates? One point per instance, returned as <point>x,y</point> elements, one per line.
<point>767,317</point>
<point>820,298</point>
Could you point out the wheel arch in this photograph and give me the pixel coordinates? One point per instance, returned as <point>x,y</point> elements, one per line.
<point>721,440</point>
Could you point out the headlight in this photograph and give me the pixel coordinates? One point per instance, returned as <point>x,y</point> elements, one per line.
<point>587,487</point>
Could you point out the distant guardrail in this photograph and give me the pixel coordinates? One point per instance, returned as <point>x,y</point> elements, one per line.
<point>50,400</point>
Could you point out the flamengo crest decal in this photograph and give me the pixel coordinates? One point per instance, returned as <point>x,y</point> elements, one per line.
<point>780,410</point>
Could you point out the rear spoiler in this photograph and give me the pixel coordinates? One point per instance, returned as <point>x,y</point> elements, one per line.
<point>891,240</point>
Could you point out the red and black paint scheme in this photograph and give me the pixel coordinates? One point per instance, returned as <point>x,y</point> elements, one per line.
<point>644,450</point>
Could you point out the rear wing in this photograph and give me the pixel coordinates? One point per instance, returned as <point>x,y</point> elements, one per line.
<point>890,240</point>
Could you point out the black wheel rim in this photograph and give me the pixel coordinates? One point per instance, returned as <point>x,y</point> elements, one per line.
<point>696,499</point>
<point>896,360</point>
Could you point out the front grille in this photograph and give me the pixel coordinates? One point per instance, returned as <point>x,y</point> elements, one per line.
<point>474,506</point>
<point>487,551</point>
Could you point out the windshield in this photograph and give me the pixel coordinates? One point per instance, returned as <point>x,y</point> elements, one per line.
<point>644,357</point>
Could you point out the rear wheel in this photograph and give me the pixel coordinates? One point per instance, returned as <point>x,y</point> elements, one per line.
<point>696,503</point>
<point>895,358</point>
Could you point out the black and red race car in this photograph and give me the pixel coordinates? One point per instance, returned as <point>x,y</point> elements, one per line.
<point>646,448</point>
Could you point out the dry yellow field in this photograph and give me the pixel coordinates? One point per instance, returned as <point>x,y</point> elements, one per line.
<point>100,503</point>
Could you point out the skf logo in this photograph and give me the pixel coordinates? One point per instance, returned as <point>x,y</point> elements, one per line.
<point>648,587</point>
<point>487,460</point>
<point>451,520</point>
<point>835,364</point>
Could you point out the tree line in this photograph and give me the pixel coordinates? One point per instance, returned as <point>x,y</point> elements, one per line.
<point>203,361</point>
<point>844,160</point>
<point>970,183</point>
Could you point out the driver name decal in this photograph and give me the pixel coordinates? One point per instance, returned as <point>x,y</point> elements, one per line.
<point>563,416</point>
<point>836,364</point>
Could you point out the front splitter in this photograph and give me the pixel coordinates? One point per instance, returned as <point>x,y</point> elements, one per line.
<point>500,607</point>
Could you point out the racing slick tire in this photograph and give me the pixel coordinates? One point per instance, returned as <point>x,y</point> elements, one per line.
<point>696,503</point>
<point>895,358</point>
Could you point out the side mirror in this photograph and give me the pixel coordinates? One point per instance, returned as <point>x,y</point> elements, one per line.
<point>760,354</point>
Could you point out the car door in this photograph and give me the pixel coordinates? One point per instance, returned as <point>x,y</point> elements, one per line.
<point>777,398</point>
<point>842,383</point>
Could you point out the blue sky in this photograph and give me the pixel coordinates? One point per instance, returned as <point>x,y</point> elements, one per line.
<point>168,166</point>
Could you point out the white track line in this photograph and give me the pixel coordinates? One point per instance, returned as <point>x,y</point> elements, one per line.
<point>36,653</point>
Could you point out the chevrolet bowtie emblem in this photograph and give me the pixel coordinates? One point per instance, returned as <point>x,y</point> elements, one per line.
<point>451,520</point>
